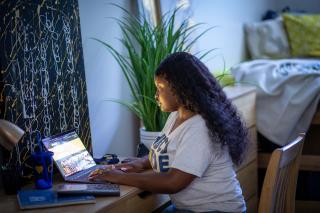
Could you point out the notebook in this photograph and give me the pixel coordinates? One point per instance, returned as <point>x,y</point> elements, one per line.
<point>32,199</point>
<point>73,160</point>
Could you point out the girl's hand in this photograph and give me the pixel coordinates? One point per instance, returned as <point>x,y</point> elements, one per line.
<point>137,165</point>
<point>107,174</point>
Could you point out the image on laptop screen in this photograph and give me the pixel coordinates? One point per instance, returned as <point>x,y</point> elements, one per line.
<point>70,154</point>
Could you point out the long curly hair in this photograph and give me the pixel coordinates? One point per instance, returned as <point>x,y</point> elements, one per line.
<point>198,90</point>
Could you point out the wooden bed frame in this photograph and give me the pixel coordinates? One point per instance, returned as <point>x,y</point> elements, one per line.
<point>309,162</point>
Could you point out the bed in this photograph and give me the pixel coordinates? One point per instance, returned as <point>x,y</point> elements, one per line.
<point>288,96</point>
<point>285,68</point>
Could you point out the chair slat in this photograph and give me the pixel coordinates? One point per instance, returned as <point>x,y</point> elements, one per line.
<point>290,153</point>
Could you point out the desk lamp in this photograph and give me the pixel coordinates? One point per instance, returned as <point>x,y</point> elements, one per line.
<point>10,134</point>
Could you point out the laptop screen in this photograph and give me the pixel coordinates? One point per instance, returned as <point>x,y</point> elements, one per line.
<point>70,155</point>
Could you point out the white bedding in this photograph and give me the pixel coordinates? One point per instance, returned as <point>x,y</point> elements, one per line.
<point>288,92</point>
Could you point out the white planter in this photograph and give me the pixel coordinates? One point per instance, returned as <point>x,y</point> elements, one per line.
<point>147,138</point>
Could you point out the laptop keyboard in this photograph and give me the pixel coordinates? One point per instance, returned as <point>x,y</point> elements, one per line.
<point>96,187</point>
<point>104,189</point>
<point>81,176</point>
<point>106,186</point>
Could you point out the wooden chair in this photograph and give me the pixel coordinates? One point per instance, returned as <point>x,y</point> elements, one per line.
<point>279,186</point>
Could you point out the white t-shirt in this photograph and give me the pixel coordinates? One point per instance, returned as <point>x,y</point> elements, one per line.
<point>190,149</point>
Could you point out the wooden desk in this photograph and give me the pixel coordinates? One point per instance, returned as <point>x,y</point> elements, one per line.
<point>132,199</point>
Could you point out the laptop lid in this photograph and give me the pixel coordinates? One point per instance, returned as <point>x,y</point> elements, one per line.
<point>70,155</point>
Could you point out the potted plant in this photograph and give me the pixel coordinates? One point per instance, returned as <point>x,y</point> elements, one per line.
<point>146,46</point>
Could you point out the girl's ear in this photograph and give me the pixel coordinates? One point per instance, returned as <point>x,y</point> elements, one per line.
<point>177,99</point>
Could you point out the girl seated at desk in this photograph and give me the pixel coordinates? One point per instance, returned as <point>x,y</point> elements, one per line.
<point>193,159</point>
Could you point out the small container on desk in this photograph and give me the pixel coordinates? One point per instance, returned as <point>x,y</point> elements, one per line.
<point>42,168</point>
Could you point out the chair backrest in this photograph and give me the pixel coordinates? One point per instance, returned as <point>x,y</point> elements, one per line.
<point>279,185</point>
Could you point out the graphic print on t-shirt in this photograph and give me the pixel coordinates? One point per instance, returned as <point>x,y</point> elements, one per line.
<point>158,154</point>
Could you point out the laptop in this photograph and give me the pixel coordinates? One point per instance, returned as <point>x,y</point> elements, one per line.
<point>73,160</point>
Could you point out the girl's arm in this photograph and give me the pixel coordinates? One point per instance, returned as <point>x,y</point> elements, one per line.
<point>167,183</point>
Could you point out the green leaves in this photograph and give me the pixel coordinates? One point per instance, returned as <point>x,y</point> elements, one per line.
<point>146,46</point>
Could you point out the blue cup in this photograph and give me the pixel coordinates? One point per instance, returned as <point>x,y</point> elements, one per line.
<point>42,169</point>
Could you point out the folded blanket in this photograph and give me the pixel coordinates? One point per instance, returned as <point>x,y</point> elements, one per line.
<point>288,92</point>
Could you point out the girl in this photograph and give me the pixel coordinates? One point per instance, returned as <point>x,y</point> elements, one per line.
<point>203,138</point>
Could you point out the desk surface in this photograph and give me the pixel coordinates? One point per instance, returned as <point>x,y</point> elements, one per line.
<point>9,203</point>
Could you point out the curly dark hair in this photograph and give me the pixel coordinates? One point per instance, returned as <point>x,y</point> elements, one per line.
<point>198,90</point>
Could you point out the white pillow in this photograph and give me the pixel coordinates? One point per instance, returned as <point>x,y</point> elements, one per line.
<point>267,39</point>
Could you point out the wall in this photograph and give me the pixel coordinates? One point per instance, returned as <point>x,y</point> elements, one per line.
<point>228,17</point>
<point>228,37</point>
<point>113,127</point>
<point>42,77</point>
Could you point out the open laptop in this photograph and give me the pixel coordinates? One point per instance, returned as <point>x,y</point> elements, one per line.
<point>71,157</point>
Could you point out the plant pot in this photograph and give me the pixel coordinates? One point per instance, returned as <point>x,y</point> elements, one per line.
<point>146,140</point>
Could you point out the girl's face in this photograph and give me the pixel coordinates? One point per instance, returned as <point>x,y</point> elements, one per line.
<point>164,95</point>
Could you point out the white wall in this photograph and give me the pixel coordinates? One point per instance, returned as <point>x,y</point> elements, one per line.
<point>229,16</point>
<point>113,127</point>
